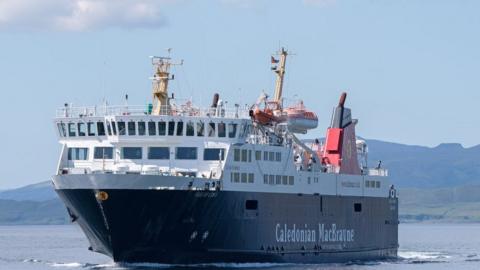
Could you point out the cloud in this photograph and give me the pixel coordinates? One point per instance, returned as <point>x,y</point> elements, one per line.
<point>81,15</point>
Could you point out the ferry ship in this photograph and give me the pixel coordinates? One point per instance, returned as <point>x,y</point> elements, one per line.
<point>170,182</point>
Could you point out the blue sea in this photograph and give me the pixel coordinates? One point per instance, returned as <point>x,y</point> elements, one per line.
<point>422,246</point>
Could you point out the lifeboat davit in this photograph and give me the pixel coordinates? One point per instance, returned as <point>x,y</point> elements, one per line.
<point>299,119</point>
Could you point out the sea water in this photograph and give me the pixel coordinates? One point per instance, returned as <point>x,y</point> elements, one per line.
<point>422,246</point>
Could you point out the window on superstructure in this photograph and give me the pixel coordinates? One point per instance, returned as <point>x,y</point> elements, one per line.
<point>162,128</point>
<point>179,128</point>
<point>278,156</point>
<point>77,153</point>
<point>367,183</point>
<point>109,128</point>
<point>258,155</point>
<point>265,178</point>
<point>249,155</point>
<point>244,178</point>
<point>171,128</point>
<point>236,154</point>
<point>236,177</point>
<point>152,129</point>
<point>211,130</point>
<point>271,179</point>
<point>114,128</point>
<point>122,129</point>
<point>142,128</point>
<point>214,154</point>
<point>103,153</point>
<point>131,153</point>
<point>72,132</point>
<point>232,130</point>
<point>62,130</point>
<point>284,180</point>
<point>91,129</point>
<point>244,155</point>
<point>221,130</point>
<point>190,129</point>
<point>291,180</point>
<point>158,153</point>
<point>377,184</point>
<point>200,129</point>
<point>271,156</point>
<point>278,179</point>
<point>265,155</point>
<point>186,153</point>
<point>251,177</point>
<point>251,204</point>
<point>101,128</point>
<point>132,129</point>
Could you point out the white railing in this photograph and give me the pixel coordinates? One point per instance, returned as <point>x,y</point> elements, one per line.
<point>182,110</point>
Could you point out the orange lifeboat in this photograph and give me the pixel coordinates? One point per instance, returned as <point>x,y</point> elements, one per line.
<point>299,119</point>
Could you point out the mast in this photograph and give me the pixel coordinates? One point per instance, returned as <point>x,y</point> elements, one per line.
<point>161,104</point>
<point>280,72</point>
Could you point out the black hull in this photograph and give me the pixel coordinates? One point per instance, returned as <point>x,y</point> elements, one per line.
<point>184,227</point>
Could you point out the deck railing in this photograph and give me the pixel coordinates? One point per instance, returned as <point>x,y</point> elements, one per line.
<point>126,110</point>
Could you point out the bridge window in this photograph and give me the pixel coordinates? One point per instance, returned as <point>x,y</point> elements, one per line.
<point>232,130</point>
<point>158,153</point>
<point>109,128</point>
<point>271,156</point>
<point>122,130</point>
<point>179,128</point>
<point>265,155</point>
<point>141,128</point>
<point>200,129</point>
<point>171,128</point>
<point>152,129</point>
<point>77,153</point>
<point>101,128</point>
<point>162,128</point>
<point>278,156</point>
<point>214,154</point>
<point>131,153</point>
<point>103,153</point>
<point>211,129</point>
<point>82,130</point>
<point>132,130</point>
<point>186,153</point>
<point>62,130</point>
<point>221,130</point>
<point>357,207</point>
<point>91,129</point>
<point>72,132</point>
<point>114,128</point>
<point>251,204</point>
<point>190,128</point>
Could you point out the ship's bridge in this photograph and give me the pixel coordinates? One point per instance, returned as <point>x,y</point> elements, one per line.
<point>183,140</point>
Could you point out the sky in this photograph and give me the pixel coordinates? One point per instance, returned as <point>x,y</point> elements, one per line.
<point>411,68</point>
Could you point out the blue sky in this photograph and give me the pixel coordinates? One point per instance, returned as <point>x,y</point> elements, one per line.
<point>411,68</point>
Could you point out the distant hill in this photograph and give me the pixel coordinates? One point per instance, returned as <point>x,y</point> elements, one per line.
<point>37,192</point>
<point>446,165</point>
<point>30,212</point>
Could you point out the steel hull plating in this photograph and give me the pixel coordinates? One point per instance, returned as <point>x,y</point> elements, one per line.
<point>181,227</point>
